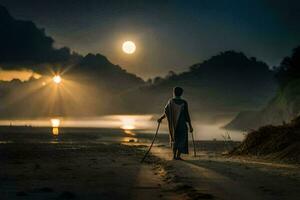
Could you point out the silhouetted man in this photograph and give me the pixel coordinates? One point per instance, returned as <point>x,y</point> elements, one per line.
<point>178,116</point>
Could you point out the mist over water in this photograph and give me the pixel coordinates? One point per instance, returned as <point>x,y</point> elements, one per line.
<point>131,124</point>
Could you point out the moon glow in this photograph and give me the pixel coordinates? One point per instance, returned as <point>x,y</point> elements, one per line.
<point>128,47</point>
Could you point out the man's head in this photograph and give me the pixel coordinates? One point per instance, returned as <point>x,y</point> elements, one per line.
<point>177,91</point>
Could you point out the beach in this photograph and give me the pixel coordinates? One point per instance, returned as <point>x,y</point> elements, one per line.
<point>79,165</point>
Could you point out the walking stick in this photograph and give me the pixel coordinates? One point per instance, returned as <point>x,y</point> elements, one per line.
<point>146,154</point>
<point>194,144</point>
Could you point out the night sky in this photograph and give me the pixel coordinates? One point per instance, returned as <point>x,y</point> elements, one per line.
<point>170,35</point>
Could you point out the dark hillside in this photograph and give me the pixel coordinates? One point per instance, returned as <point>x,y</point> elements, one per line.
<point>274,142</point>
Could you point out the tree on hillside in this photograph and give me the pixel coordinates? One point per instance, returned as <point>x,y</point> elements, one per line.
<point>289,68</point>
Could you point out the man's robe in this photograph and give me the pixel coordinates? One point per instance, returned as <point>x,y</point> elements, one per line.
<point>177,115</point>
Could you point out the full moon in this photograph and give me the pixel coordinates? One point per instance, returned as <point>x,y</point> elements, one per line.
<point>129,47</point>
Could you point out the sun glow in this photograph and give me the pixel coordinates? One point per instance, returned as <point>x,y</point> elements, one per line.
<point>22,75</point>
<point>129,47</point>
<point>56,79</point>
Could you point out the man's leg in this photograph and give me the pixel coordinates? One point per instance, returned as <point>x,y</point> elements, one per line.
<point>174,152</point>
<point>178,155</point>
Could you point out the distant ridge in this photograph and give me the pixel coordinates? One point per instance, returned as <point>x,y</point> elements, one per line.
<point>225,83</point>
<point>284,106</point>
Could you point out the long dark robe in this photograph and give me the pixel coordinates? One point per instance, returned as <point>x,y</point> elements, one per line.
<point>177,114</point>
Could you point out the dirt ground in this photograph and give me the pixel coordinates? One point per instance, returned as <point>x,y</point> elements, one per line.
<point>78,171</point>
<point>85,170</point>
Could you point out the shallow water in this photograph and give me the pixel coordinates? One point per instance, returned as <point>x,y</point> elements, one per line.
<point>129,126</point>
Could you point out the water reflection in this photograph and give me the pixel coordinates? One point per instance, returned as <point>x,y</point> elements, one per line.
<point>55,126</point>
<point>130,125</point>
<point>55,131</point>
<point>129,139</point>
<point>129,132</point>
<point>127,122</point>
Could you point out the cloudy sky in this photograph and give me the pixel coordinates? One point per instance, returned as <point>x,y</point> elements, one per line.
<point>170,35</point>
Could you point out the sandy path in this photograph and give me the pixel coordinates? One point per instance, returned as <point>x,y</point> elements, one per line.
<point>77,171</point>
<point>227,178</point>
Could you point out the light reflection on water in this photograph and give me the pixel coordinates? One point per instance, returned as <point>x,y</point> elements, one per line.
<point>129,132</point>
<point>55,131</point>
<point>128,123</point>
<point>55,126</point>
<point>132,125</point>
<point>129,139</point>
<point>5,142</point>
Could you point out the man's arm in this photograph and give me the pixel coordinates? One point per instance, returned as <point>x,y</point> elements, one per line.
<point>161,118</point>
<point>164,115</point>
<point>189,118</point>
<point>191,127</point>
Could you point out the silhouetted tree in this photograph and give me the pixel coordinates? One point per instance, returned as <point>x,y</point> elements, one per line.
<point>157,80</point>
<point>289,68</point>
<point>171,74</point>
<point>149,81</point>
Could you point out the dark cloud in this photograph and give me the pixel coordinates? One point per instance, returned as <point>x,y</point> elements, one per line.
<point>22,42</point>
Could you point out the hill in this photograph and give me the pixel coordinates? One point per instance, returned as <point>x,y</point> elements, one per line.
<point>284,106</point>
<point>225,83</point>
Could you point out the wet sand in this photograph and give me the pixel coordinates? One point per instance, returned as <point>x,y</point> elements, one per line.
<point>81,166</point>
